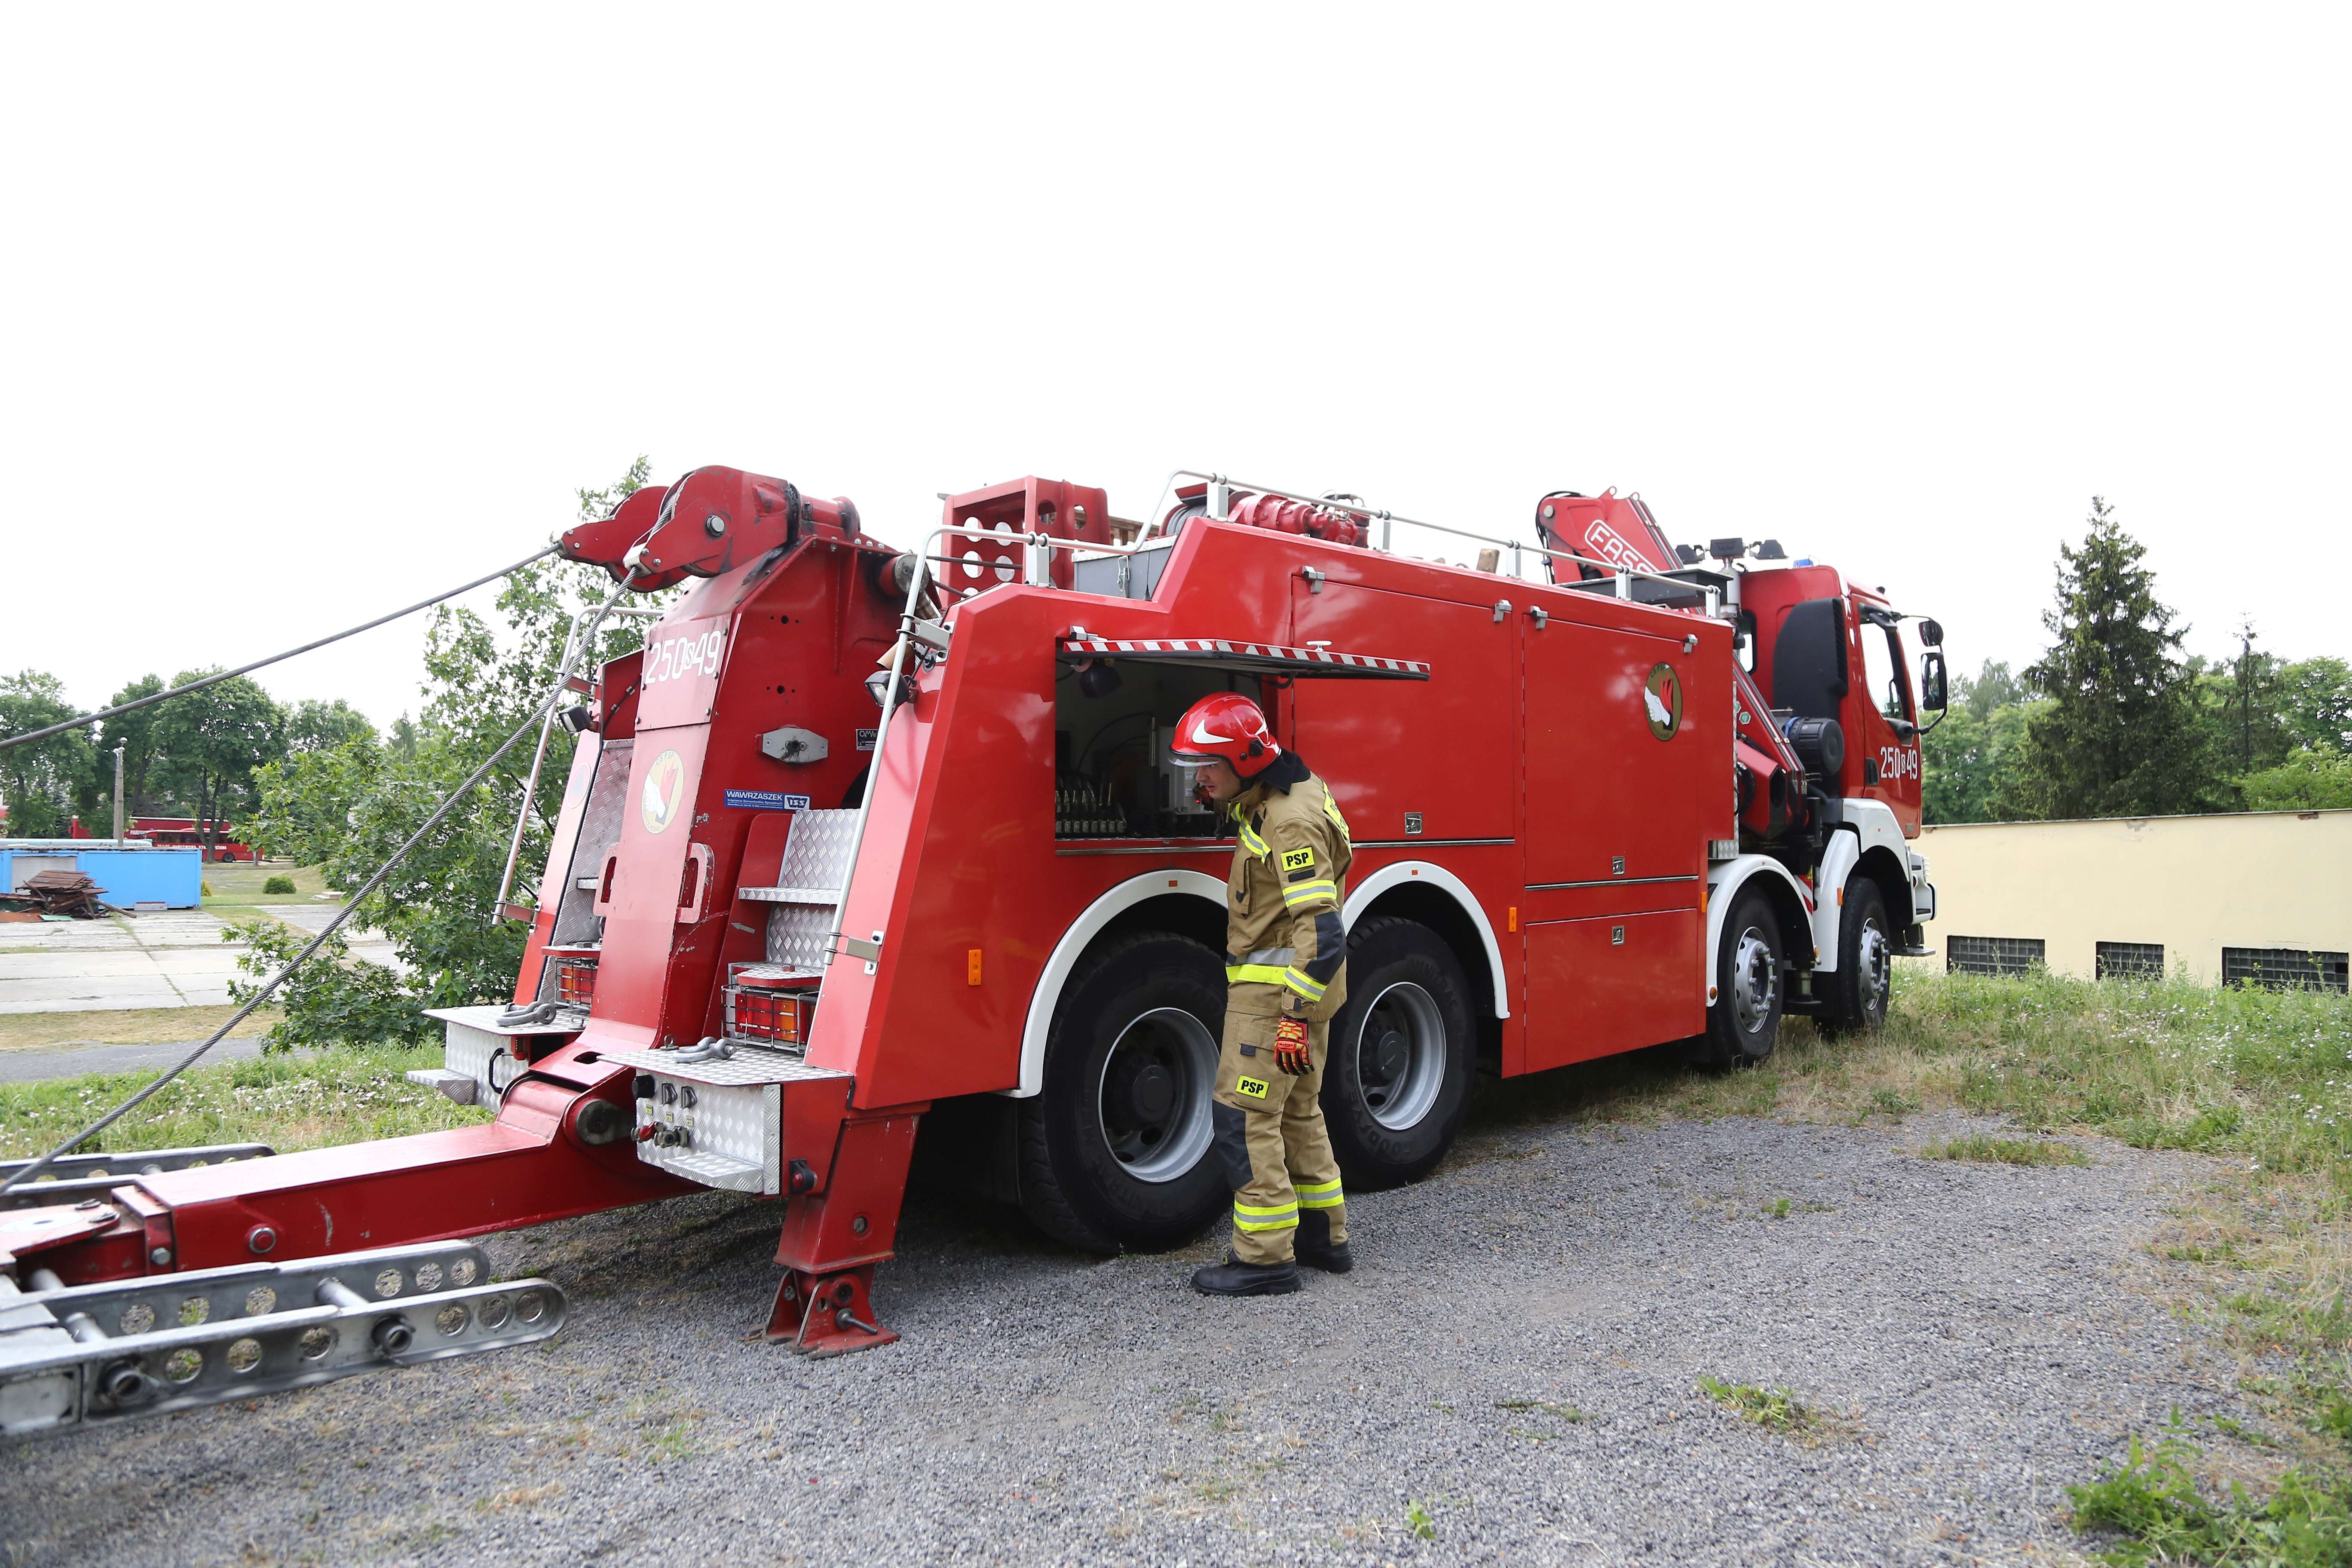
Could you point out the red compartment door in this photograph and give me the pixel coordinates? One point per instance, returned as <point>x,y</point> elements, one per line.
<point>1615,982</point>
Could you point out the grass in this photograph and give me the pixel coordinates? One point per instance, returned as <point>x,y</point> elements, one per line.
<point>2152,1505</point>
<point>123,1026</point>
<point>239,883</point>
<point>2007,1152</point>
<point>1774,1409</point>
<point>298,1100</point>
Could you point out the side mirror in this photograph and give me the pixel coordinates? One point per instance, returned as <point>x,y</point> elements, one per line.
<point>1933,698</point>
<point>1931,633</point>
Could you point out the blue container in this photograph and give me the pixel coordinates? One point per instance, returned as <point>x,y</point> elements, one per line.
<point>173,877</point>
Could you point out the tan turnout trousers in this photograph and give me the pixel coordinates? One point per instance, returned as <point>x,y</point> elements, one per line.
<point>1276,1155</point>
<point>1285,956</point>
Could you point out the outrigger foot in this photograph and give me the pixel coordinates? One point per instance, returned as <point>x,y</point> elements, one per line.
<point>827,1314</point>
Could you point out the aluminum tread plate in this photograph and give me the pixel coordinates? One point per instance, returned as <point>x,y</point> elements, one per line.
<point>816,850</point>
<point>717,1170</point>
<point>828,897</point>
<point>800,936</point>
<point>747,1067</point>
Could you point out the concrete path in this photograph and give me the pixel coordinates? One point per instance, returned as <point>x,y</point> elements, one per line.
<point>35,1064</point>
<point>172,959</point>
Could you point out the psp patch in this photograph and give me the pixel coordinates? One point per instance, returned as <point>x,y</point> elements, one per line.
<point>1298,859</point>
<point>1250,1088</point>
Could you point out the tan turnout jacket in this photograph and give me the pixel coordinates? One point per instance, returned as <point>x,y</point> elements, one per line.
<point>1286,949</point>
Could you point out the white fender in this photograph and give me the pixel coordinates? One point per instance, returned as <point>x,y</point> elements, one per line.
<point>1084,930</point>
<point>1865,824</point>
<point>1724,881</point>
<point>1359,898</point>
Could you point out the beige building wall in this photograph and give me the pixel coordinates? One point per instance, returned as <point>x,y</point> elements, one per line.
<point>2197,884</point>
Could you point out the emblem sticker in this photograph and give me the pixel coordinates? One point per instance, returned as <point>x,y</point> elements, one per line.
<point>1298,859</point>
<point>1662,697</point>
<point>1250,1088</point>
<point>665,787</point>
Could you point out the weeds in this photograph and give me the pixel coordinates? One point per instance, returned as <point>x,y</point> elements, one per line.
<point>2153,1505</point>
<point>1417,1519</point>
<point>1774,1409</point>
<point>2007,1152</point>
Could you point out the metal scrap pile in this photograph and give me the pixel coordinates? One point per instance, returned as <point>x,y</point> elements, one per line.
<point>58,893</point>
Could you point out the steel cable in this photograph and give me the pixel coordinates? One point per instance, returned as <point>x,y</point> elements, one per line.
<point>149,701</point>
<point>555,694</point>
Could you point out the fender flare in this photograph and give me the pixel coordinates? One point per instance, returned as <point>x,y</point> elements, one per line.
<point>1864,826</point>
<point>1066,953</point>
<point>1361,896</point>
<point>1723,884</point>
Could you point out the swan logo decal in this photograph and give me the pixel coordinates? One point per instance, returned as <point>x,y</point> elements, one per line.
<point>665,787</point>
<point>1662,697</point>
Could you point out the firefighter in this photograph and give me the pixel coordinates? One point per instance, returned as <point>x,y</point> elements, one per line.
<point>1285,953</point>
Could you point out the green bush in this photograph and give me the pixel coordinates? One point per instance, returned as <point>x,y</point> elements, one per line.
<point>278,885</point>
<point>2152,1503</point>
<point>334,999</point>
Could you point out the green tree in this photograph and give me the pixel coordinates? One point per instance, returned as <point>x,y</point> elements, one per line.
<point>2315,699</point>
<point>209,742</point>
<point>356,803</point>
<point>135,733</point>
<point>315,726</point>
<point>1970,752</point>
<point>2306,781</point>
<point>44,782</point>
<point>2120,733</point>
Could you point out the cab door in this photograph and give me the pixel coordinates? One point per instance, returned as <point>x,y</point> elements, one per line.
<point>1882,714</point>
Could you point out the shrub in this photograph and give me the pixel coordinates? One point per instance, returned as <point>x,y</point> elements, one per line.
<point>278,885</point>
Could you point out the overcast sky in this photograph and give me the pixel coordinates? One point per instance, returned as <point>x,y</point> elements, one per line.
<point>314,311</point>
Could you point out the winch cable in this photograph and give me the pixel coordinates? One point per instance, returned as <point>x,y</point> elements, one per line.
<point>149,701</point>
<point>351,906</point>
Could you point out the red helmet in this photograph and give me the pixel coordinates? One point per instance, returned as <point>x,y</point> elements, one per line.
<point>1228,726</point>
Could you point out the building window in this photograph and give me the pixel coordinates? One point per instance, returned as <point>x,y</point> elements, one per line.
<point>1991,954</point>
<point>2283,968</point>
<point>2130,961</point>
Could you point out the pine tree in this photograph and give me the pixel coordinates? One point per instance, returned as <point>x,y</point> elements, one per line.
<point>2120,733</point>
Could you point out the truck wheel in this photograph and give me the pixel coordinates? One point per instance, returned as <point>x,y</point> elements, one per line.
<point>1744,1022</point>
<point>1114,1151</point>
<point>1396,1081</point>
<point>1864,981</point>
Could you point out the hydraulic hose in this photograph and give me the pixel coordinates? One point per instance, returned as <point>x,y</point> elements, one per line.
<point>149,701</point>
<point>351,906</point>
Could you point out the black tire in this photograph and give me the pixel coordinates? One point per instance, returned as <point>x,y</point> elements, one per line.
<point>1152,999</point>
<point>1403,1052</point>
<point>1743,1022</point>
<point>1864,981</point>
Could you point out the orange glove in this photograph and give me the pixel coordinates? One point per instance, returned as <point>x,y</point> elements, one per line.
<point>1290,1052</point>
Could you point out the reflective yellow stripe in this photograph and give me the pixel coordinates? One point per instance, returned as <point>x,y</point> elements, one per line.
<point>1331,810</point>
<point>1287,1222</point>
<point>1317,1188</point>
<point>1297,893</point>
<point>1258,974</point>
<point>1332,1202</point>
<point>1304,984</point>
<point>1279,1216</point>
<point>1249,836</point>
<point>1321,1195</point>
<point>1253,1211</point>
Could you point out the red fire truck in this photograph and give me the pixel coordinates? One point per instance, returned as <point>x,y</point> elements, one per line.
<point>865,840</point>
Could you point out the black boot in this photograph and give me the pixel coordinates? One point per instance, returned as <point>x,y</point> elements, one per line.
<point>1314,1244</point>
<point>1232,1278</point>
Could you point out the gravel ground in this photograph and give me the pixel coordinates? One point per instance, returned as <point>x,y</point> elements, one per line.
<point>1988,1334</point>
